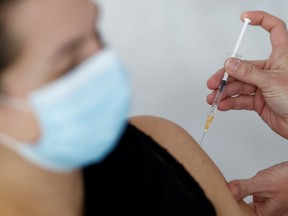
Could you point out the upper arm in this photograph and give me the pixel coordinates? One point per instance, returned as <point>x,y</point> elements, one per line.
<point>187,152</point>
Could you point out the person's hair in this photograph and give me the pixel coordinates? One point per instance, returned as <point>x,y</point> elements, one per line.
<point>8,46</point>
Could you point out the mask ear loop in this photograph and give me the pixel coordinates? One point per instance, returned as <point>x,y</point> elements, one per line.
<point>10,142</point>
<point>18,104</point>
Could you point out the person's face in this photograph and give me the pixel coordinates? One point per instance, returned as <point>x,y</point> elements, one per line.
<point>54,36</point>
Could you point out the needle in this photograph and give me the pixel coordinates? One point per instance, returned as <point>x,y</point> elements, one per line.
<point>203,137</point>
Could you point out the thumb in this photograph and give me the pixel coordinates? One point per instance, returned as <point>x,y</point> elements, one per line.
<point>242,188</point>
<point>246,72</point>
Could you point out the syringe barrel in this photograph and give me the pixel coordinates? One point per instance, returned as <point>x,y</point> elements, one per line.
<point>218,98</point>
<point>223,83</point>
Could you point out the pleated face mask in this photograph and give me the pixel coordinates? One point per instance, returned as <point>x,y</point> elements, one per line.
<point>81,115</point>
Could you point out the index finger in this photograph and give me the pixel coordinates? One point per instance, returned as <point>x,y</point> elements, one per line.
<point>214,81</point>
<point>275,26</point>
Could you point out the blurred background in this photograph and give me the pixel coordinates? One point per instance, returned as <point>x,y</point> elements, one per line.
<point>171,48</point>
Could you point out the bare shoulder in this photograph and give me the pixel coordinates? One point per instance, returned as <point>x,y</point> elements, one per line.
<point>178,142</point>
<point>149,123</point>
<point>174,138</point>
<point>186,151</point>
<point>159,129</point>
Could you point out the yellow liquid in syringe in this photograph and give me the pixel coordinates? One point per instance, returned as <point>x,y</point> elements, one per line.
<point>209,121</point>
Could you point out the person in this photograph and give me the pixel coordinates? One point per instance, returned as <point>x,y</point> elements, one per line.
<point>261,86</point>
<point>66,146</point>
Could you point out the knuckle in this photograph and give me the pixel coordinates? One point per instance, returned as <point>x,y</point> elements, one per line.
<point>264,175</point>
<point>252,186</point>
<point>246,187</point>
<point>282,24</point>
<point>268,180</point>
<point>247,70</point>
<point>245,192</point>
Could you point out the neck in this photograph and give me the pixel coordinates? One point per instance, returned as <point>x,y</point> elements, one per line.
<point>28,190</point>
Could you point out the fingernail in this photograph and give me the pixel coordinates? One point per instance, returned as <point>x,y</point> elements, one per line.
<point>232,64</point>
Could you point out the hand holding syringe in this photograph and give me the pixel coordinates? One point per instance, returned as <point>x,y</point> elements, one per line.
<point>223,83</point>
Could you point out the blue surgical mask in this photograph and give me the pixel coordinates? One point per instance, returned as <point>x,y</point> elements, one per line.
<point>82,115</point>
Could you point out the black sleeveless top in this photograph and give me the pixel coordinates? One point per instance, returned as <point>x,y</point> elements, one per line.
<point>141,178</point>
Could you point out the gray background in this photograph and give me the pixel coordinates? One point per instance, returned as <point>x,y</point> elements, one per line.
<point>171,48</point>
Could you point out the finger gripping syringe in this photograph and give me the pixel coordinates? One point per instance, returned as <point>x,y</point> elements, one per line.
<point>223,83</point>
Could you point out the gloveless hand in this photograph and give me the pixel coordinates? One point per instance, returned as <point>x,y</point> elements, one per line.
<point>259,85</point>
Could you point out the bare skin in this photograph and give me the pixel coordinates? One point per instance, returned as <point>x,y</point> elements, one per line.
<point>28,190</point>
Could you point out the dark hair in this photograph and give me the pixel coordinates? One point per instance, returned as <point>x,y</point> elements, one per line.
<point>9,49</point>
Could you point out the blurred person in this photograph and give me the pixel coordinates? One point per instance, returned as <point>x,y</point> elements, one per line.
<point>66,145</point>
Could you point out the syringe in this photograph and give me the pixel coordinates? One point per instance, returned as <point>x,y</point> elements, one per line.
<point>223,83</point>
